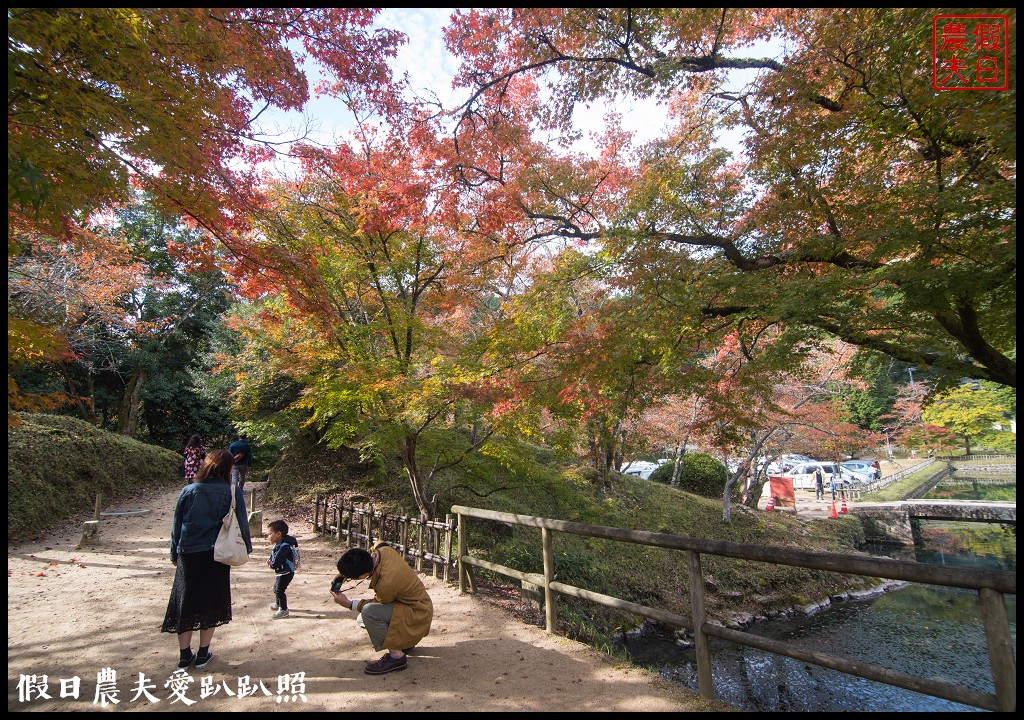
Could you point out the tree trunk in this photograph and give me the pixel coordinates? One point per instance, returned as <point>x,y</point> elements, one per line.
<point>135,408</point>
<point>677,466</point>
<point>755,487</point>
<point>416,481</point>
<point>84,403</point>
<point>128,397</point>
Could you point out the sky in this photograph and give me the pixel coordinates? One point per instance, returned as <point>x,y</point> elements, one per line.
<point>431,67</point>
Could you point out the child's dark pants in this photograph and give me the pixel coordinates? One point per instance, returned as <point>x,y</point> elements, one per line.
<point>280,585</point>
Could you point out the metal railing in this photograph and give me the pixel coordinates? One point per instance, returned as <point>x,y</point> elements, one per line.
<point>990,584</point>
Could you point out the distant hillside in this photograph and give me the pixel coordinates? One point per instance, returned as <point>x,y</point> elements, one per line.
<point>57,464</point>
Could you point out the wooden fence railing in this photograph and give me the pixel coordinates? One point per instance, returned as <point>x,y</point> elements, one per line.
<point>990,584</point>
<point>881,482</point>
<point>422,540</point>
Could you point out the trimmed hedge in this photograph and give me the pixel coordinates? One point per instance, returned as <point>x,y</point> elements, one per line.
<point>701,475</point>
<point>57,464</point>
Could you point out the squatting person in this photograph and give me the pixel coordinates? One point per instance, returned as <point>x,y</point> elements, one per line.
<point>399,614</point>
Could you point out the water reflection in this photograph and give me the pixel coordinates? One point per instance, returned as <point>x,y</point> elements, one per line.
<point>922,630</point>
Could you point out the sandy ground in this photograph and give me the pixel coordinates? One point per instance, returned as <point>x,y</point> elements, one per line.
<point>82,613</point>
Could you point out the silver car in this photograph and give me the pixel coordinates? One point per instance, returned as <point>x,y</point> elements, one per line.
<point>865,469</point>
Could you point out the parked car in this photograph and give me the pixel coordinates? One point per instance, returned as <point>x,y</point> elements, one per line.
<point>866,468</point>
<point>789,460</point>
<point>803,475</point>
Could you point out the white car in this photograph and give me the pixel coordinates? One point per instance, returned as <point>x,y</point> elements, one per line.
<point>803,475</point>
<point>792,459</point>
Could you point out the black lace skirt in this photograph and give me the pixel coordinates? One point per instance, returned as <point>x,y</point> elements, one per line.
<point>201,595</point>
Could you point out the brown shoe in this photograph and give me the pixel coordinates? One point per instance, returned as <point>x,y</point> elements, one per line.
<point>386,664</point>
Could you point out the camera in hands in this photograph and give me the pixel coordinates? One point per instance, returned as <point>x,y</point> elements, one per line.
<point>336,585</point>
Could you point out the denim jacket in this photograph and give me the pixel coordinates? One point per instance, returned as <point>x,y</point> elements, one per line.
<point>200,513</point>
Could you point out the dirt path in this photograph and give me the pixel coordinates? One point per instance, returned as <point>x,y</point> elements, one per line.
<point>74,613</point>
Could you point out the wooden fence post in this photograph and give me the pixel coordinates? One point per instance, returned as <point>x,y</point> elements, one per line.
<point>419,545</point>
<point>705,681</point>
<point>316,510</point>
<point>405,536</point>
<point>462,552</point>
<point>96,511</point>
<point>549,577</point>
<point>435,549</point>
<point>348,526</point>
<point>449,519</point>
<point>1000,651</point>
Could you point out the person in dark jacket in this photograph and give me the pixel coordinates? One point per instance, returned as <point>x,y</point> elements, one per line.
<point>241,450</point>
<point>201,594</point>
<point>283,560</point>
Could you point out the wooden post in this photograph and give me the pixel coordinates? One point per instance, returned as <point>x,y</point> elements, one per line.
<point>316,510</point>
<point>96,511</point>
<point>549,577</point>
<point>705,682</point>
<point>323,525</point>
<point>348,526</point>
<point>436,549</point>
<point>448,545</point>
<point>419,546</point>
<point>405,536</point>
<point>1000,651</point>
<point>252,498</point>
<point>462,553</point>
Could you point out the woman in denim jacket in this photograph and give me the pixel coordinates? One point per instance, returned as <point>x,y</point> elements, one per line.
<point>201,595</point>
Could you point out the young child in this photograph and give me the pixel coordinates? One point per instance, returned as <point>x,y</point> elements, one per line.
<point>282,561</point>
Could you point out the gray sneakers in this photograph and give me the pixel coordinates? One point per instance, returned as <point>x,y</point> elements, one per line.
<point>282,613</point>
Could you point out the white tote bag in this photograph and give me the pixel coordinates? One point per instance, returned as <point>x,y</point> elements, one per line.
<point>230,546</point>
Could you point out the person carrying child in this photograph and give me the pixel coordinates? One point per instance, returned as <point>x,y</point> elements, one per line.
<point>284,560</point>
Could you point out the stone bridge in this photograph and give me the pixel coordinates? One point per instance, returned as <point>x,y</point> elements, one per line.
<point>890,522</point>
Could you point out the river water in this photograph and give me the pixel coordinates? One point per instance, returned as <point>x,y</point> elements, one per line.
<point>923,630</point>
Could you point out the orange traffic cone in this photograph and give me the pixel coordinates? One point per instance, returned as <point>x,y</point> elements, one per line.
<point>843,509</point>
<point>833,513</point>
<point>771,503</point>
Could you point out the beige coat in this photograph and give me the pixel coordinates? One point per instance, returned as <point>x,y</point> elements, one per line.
<point>393,581</point>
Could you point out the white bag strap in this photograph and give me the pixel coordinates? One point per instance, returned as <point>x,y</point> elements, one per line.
<point>232,510</point>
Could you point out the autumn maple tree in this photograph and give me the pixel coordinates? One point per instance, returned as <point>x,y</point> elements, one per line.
<point>373,289</point>
<point>968,411</point>
<point>164,99</point>
<point>865,203</point>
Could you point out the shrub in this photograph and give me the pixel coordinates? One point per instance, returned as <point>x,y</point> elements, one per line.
<point>663,473</point>
<point>701,475</point>
<point>56,465</point>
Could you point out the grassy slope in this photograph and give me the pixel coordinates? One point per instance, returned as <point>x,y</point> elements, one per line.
<point>56,465</point>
